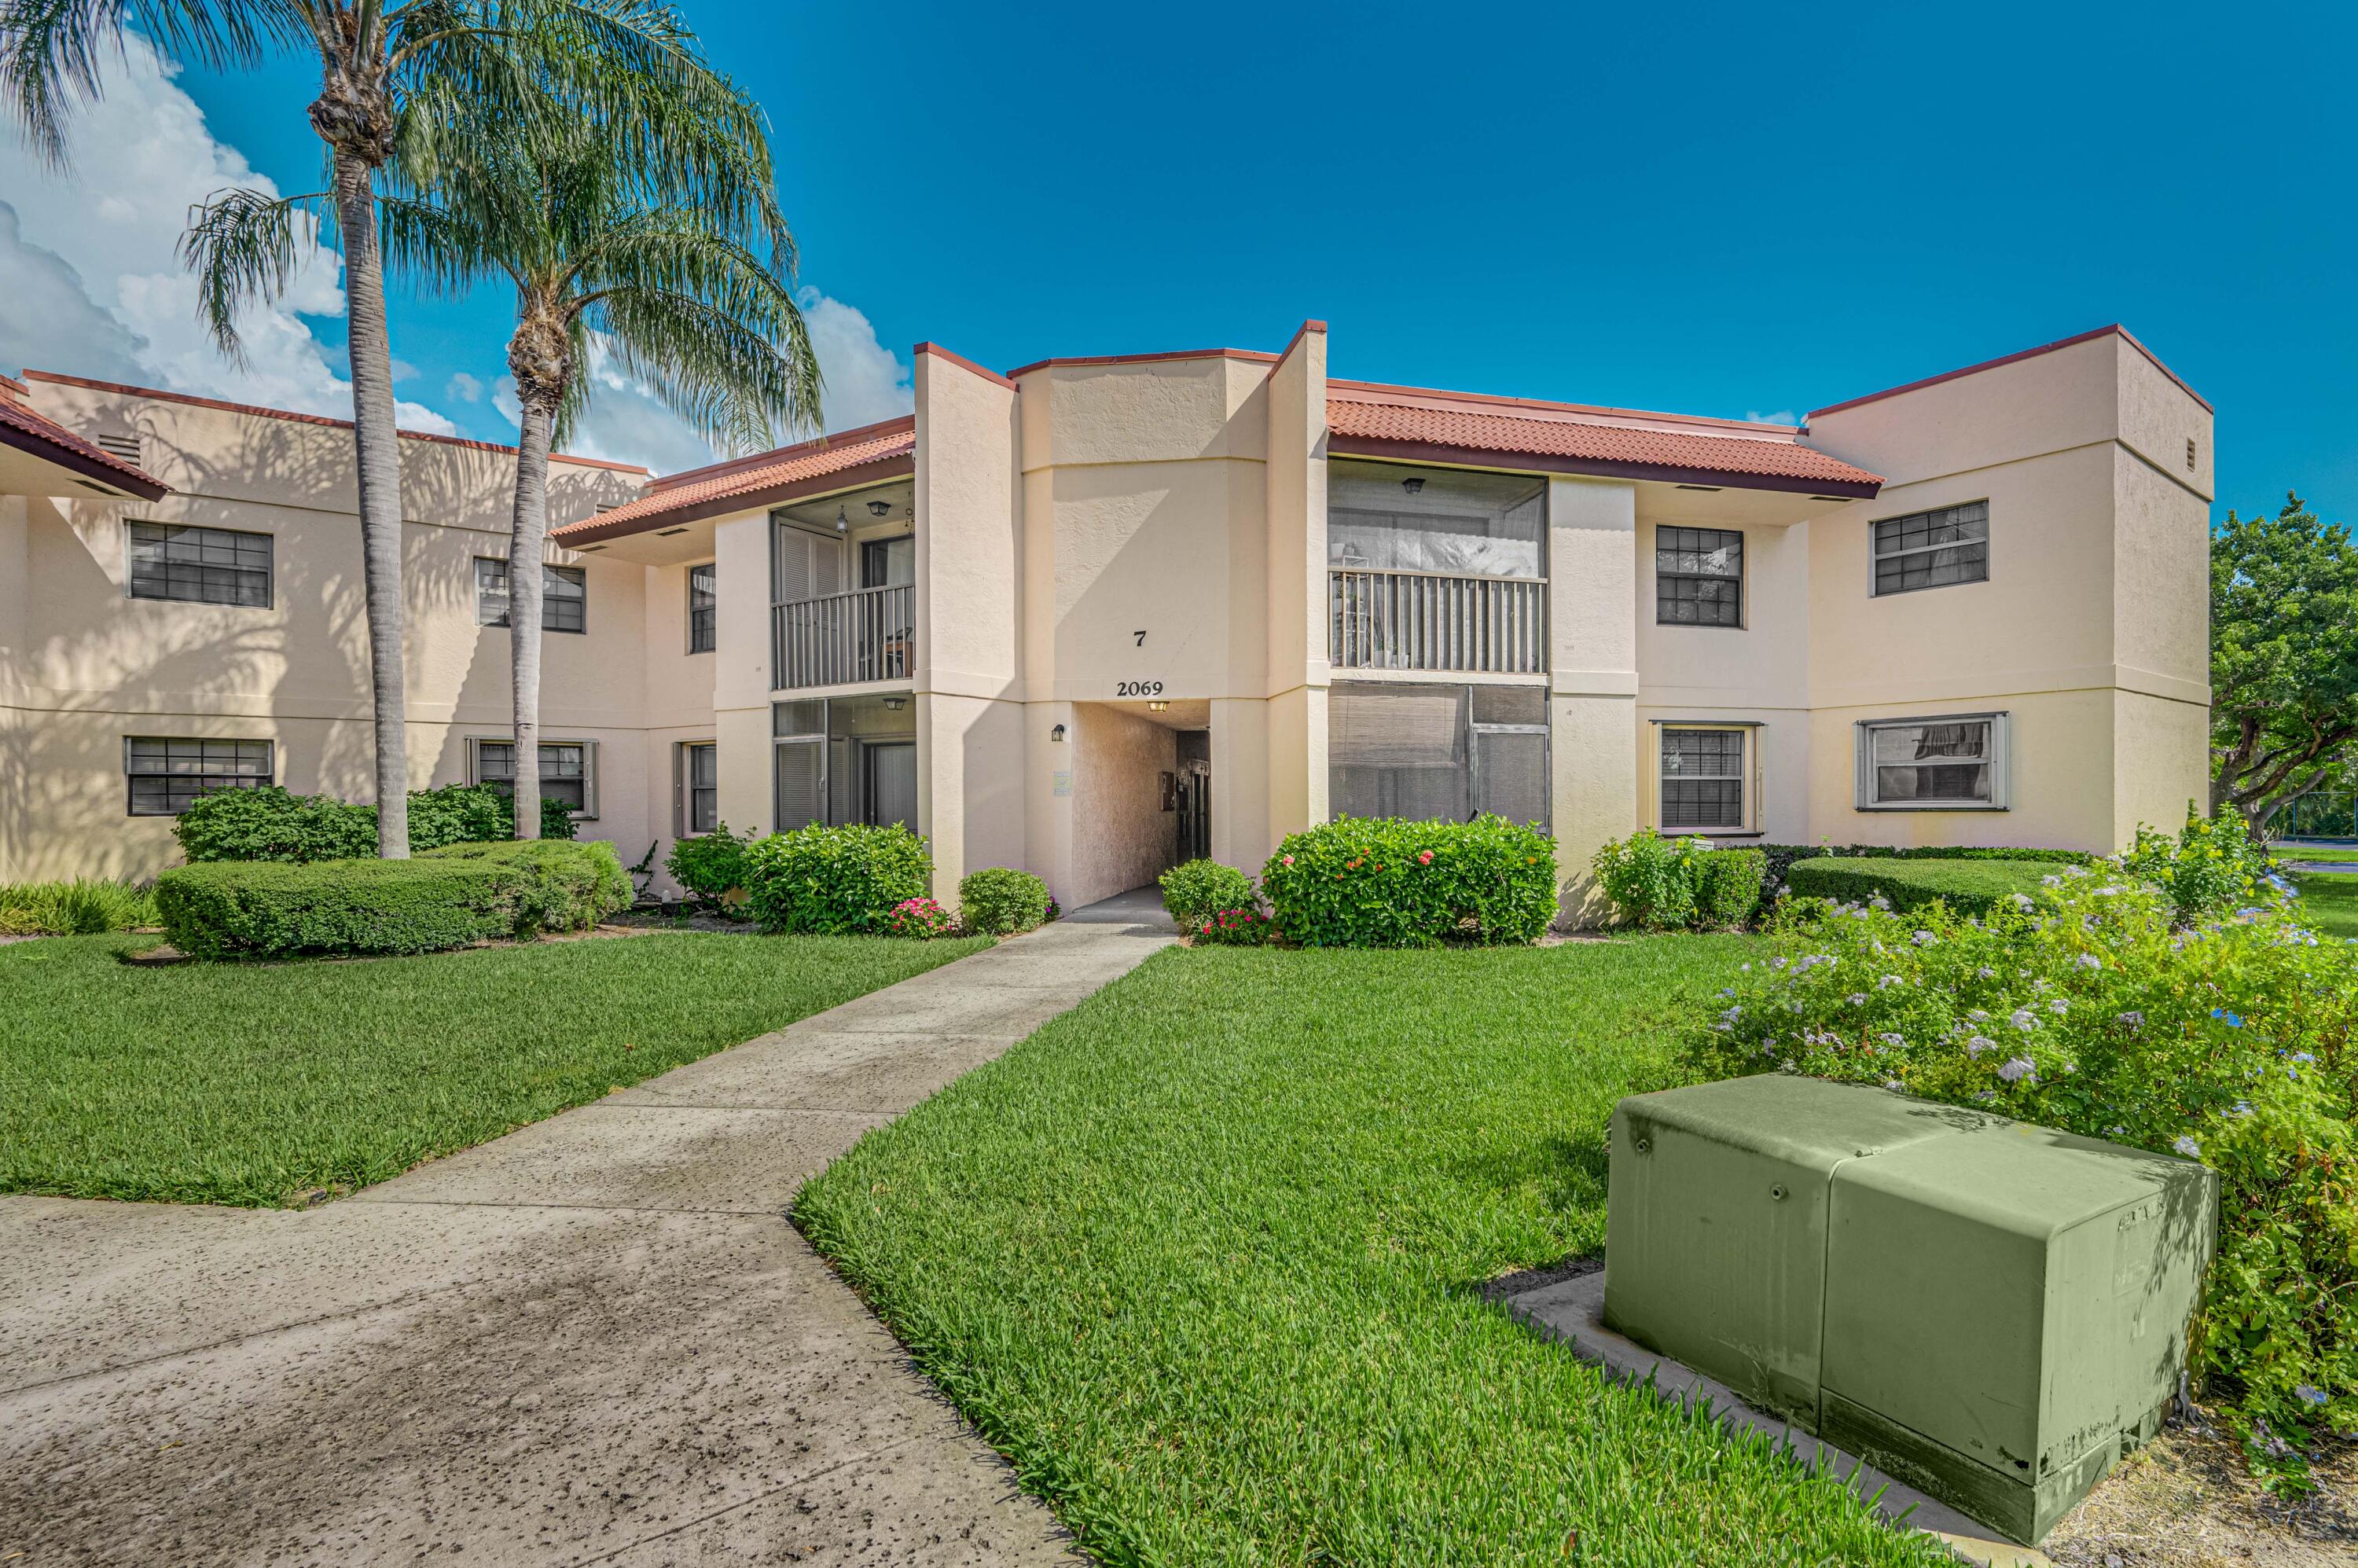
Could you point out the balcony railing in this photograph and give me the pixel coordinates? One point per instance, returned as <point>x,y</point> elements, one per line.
<point>1424,621</point>
<point>866,634</point>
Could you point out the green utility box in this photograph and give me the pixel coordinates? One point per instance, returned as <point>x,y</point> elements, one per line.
<point>1988,1310</point>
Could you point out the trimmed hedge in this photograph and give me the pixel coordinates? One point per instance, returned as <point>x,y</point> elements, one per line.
<point>1782,856</point>
<point>830,881</point>
<point>1001,902</point>
<point>273,823</point>
<point>1195,890</point>
<point>451,897</point>
<point>1381,882</point>
<point>1966,886</point>
<point>1661,884</point>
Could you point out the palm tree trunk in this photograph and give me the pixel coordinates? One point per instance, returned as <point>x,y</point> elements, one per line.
<point>526,535</point>
<point>376,443</point>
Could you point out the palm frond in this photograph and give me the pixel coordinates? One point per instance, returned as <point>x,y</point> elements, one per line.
<point>244,246</point>
<point>51,51</point>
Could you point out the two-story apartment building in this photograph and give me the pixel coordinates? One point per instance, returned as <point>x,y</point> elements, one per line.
<point>1098,615</point>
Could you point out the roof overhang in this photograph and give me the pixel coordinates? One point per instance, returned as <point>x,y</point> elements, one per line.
<point>1830,488</point>
<point>40,456</point>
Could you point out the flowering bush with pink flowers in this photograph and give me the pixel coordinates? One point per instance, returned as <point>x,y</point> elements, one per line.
<point>922,919</point>
<point>1382,882</point>
<point>1233,929</point>
<point>2090,1004</point>
<point>1195,890</point>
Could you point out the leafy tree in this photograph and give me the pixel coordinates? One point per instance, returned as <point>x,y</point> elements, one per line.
<point>2284,658</point>
<point>392,74</point>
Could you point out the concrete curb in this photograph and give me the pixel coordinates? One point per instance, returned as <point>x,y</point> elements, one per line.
<point>1571,1311</point>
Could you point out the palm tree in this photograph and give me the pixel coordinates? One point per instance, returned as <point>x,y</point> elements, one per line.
<point>391,73</point>
<point>676,268</point>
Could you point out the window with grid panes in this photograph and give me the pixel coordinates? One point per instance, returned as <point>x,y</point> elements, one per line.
<point>564,596</point>
<point>567,772</point>
<point>1698,577</point>
<point>1703,780</point>
<point>166,774</point>
<point>1933,549</point>
<point>700,786</point>
<point>703,609</point>
<point>200,566</point>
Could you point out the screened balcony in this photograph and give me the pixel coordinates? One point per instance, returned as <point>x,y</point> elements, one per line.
<point>843,608</point>
<point>1435,569</point>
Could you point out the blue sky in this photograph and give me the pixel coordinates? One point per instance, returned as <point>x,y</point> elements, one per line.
<point>1724,209</point>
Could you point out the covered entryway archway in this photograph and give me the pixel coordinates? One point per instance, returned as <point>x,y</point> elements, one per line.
<point>1142,793</point>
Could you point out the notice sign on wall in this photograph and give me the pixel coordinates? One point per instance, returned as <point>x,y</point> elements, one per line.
<point>1060,783</point>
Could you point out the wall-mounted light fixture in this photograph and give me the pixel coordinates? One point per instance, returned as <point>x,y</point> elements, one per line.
<point>1412,485</point>
<point>1157,707</point>
<point>1057,733</point>
<point>895,704</point>
<point>879,508</point>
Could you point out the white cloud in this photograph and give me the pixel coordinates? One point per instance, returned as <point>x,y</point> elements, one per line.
<point>625,423</point>
<point>142,155</point>
<point>463,388</point>
<point>403,371</point>
<point>1782,416</point>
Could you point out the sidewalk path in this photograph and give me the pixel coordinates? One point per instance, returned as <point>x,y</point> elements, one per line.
<point>594,1340</point>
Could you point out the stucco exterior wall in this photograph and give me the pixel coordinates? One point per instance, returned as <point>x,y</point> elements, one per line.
<point>1122,837</point>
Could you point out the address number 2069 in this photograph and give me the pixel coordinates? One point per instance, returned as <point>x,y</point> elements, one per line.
<point>1138,689</point>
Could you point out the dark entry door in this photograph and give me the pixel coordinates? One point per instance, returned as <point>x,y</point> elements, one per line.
<point>1195,811</point>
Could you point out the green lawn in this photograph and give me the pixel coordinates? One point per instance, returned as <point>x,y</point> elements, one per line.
<point>1202,1258</point>
<point>259,1084</point>
<point>2328,900</point>
<point>2318,852</point>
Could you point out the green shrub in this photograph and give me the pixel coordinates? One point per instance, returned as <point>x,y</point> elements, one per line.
<point>2096,1010</point>
<point>1969,887</point>
<point>572,887</point>
<point>820,880</point>
<point>1195,890</point>
<point>2209,869</point>
<point>1232,928</point>
<point>470,814</point>
<point>1001,902</point>
<point>446,898</point>
<point>271,824</point>
<point>1381,882</point>
<point>1727,886</point>
<point>1782,856</point>
<point>87,906</point>
<point>1668,884</point>
<point>711,867</point>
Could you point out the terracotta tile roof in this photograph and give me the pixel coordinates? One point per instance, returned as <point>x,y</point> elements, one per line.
<point>1581,446</point>
<point>747,482</point>
<point>43,437</point>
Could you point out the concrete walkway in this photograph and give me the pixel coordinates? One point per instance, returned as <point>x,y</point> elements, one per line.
<point>594,1340</point>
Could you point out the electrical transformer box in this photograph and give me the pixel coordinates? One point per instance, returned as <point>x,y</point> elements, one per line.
<point>1990,1310</point>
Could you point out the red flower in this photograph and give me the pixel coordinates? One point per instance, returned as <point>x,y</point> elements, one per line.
<point>1424,856</point>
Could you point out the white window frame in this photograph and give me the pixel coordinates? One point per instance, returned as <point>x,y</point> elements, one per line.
<point>588,812</point>
<point>1875,559</point>
<point>2000,762</point>
<point>1747,777</point>
<point>550,572</point>
<point>683,784</point>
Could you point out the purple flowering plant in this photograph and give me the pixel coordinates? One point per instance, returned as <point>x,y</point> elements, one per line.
<point>2102,1009</point>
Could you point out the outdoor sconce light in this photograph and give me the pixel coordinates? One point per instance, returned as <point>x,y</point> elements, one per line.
<point>1057,733</point>
<point>1157,707</point>
<point>1412,485</point>
<point>842,523</point>
<point>895,704</point>
<point>878,508</point>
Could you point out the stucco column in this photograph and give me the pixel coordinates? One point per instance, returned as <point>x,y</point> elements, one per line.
<point>1592,674</point>
<point>1296,718</point>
